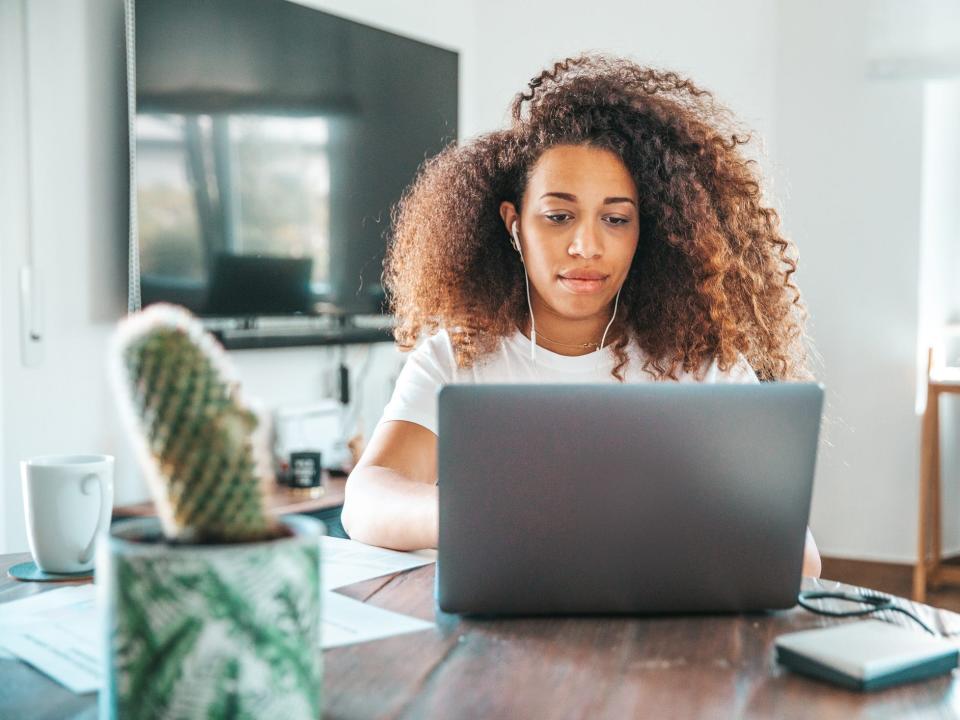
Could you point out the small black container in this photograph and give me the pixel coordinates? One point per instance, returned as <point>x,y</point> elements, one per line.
<point>306,469</point>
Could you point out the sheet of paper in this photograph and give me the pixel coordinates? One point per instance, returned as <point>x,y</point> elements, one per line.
<point>59,635</point>
<point>344,562</point>
<point>347,621</point>
<point>58,631</point>
<point>16,612</point>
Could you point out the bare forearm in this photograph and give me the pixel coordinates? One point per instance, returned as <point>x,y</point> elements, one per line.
<point>382,507</point>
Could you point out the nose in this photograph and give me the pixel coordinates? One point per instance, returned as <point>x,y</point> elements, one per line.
<point>586,243</point>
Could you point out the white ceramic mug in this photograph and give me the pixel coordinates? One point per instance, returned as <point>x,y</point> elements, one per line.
<point>68,502</point>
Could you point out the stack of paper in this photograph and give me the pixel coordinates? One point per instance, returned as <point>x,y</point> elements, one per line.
<point>58,631</point>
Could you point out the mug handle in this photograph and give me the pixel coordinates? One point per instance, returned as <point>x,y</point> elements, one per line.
<point>102,520</point>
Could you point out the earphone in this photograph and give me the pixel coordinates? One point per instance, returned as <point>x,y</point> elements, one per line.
<point>515,242</point>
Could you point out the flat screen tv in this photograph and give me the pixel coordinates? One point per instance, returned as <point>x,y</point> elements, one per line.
<point>271,141</point>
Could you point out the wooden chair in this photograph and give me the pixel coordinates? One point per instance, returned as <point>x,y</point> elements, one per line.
<point>929,571</point>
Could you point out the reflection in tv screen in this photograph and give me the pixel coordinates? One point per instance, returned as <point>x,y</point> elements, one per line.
<point>272,140</point>
<point>237,184</point>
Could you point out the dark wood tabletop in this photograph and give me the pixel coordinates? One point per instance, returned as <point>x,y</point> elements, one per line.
<point>280,499</point>
<point>566,667</point>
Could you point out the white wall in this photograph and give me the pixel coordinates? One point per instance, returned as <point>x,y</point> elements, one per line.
<point>518,40</point>
<point>844,167</point>
<point>11,202</point>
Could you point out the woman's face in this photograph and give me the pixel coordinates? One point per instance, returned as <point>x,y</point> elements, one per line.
<point>578,230</point>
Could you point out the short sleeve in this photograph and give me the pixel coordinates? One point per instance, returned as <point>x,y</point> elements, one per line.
<point>739,373</point>
<point>427,369</point>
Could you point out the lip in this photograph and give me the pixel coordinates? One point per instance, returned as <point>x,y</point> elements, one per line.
<point>579,286</point>
<point>583,275</point>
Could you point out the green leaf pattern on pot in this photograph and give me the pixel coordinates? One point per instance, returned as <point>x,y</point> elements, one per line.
<point>218,634</point>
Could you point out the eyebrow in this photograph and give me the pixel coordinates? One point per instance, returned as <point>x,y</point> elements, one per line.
<point>573,198</point>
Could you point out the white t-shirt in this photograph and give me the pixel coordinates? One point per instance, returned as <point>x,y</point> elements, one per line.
<point>431,365</point>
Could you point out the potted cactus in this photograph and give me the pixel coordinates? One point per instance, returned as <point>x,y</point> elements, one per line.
<point>212,609</point>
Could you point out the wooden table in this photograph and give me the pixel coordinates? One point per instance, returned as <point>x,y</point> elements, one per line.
<point>281,500</point>
<point>658,667</point>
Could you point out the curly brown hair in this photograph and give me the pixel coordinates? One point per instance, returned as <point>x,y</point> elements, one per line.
<point>711,274</point>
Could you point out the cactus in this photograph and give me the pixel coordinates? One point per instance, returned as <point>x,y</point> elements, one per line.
<point>193,432</point>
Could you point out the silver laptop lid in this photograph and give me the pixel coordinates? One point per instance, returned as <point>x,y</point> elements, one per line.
<point>638,498</point>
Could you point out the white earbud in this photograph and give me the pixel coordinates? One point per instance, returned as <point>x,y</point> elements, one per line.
<point>515,241</point>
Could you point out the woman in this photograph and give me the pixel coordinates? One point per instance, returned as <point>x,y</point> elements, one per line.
<point>613,233</point>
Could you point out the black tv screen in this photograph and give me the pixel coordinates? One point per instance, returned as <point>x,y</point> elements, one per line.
<point>272,139</point>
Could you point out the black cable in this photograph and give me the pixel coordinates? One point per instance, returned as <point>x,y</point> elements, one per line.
<point>877,603</point>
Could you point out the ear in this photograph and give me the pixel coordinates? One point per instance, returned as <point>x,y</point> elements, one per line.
<point>509,214</point>
<point>511,219</point>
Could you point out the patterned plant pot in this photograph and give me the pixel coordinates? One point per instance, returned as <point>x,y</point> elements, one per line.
<point>211,631</point>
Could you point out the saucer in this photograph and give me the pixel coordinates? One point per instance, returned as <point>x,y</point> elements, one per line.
<point>29,571</point>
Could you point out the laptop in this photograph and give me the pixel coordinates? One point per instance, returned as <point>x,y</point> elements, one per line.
<point>624,499</point>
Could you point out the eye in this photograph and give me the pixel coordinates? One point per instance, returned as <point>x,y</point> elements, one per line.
<point>558,218</point>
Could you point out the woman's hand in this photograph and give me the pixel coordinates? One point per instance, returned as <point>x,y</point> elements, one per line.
<point>811,557</point>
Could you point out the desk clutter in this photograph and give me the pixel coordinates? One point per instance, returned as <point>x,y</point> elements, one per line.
<point>60,632</point>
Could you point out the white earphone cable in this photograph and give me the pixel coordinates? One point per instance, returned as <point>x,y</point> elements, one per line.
<point>612,318</point>
<point>526,280</point>
<point>533,324</point>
